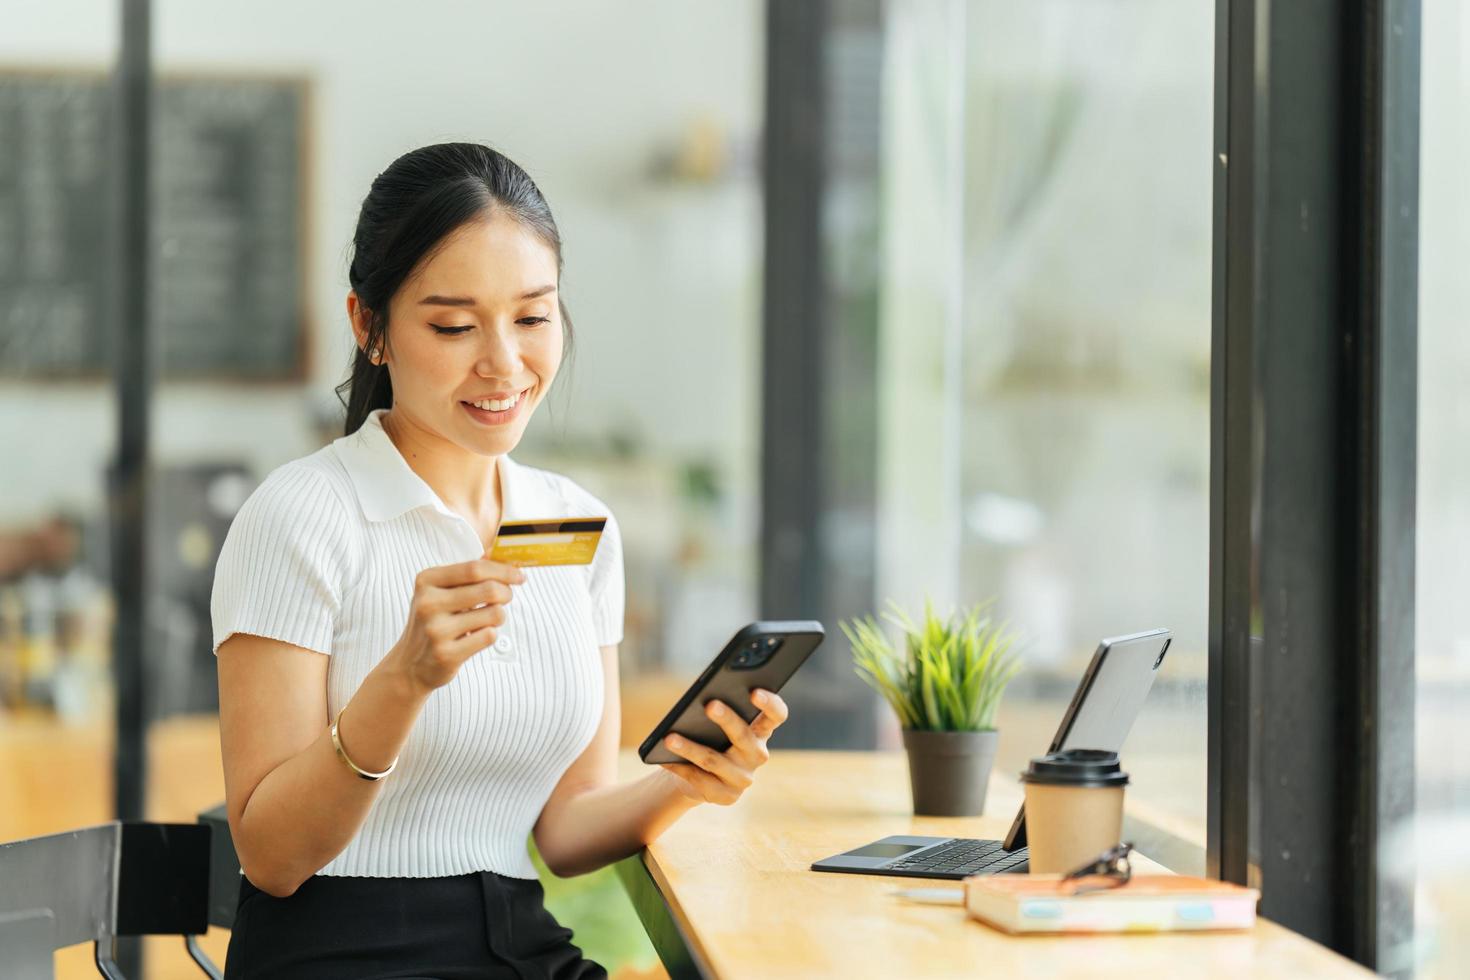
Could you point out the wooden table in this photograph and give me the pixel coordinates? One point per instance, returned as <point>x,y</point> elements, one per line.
<point>728,892</point>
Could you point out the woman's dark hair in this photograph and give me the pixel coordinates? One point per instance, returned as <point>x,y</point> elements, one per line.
<point>412,207</point>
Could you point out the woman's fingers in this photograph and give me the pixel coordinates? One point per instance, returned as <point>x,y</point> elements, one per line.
<point>721,777</point>
<point>717,764</point>
<point>450,626</point>
<point>473,642</point>
<point>773,712</point>
<point>461,597</point>
<point>469,572</point>
<point>742,739</point>
<point>700,785</point>
<point>473,619</point>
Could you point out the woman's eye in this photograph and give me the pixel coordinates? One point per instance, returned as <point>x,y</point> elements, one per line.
<point>529,321</point>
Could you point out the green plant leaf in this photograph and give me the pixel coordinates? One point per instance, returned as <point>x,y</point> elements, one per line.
<point>945,673</point>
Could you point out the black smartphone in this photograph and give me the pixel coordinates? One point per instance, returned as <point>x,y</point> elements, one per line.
<point>763,654</point>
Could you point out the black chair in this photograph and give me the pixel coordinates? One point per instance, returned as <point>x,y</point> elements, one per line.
<point>98,883</point>
<point>224,868</point>
<point>163,886</point>
<point>26,939</point>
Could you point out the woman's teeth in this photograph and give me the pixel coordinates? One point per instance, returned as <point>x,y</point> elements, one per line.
<point>491,405</point>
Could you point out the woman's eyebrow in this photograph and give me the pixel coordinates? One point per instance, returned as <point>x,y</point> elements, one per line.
<point>470,300</point>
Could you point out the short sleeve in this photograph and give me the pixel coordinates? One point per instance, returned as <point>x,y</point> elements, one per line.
<point>606,585</point>
<point>284,563</point>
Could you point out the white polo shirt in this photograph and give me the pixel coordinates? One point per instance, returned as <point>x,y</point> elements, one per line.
<point>323,555</point>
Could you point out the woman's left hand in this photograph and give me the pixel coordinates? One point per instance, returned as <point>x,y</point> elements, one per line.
<point>720,777</point>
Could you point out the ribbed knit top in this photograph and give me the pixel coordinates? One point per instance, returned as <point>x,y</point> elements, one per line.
<point>324,554</point>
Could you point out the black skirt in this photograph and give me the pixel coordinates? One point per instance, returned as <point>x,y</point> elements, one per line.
<point>477,925</point>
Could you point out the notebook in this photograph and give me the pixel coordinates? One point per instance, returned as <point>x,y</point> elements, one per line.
<point>1148,903</point>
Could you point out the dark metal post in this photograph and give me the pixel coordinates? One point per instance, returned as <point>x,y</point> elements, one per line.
<point>1381,404</point>
<point>793,372</point>
<point>133,376</point>
<point>819,384</point>
<point>1233,471</point>
<point>796,317</point>
<point>1313,431</point>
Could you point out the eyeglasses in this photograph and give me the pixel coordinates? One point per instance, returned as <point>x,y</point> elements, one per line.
<point>1110,869</point>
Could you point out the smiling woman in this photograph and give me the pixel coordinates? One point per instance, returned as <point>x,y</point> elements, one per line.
<point>398,712</point>
<point>474,344</point>
<point>478,259</point>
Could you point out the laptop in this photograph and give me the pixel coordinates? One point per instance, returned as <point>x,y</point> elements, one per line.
<point>1102,712</point>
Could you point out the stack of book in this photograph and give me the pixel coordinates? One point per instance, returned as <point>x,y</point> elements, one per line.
<point>1148,903</point>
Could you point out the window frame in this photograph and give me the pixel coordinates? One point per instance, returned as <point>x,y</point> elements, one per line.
<point>1313,462</point>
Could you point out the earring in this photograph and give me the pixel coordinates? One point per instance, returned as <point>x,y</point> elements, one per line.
<point>375,355</point>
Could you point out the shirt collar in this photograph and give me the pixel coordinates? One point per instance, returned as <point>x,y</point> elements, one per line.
<point>387,487</point>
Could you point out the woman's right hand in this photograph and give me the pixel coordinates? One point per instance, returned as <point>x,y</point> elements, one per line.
<point>454,614</point>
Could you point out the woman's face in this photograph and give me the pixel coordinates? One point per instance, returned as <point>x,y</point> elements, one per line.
<point>477,322</point>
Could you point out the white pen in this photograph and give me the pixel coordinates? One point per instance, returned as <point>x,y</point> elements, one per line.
<point>932,896</point>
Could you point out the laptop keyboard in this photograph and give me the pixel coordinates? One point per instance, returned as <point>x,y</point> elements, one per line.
<point>961,857</point>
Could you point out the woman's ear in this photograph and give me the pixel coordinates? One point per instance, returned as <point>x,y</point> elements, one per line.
<point>359,315</point>
<point>356,315</point>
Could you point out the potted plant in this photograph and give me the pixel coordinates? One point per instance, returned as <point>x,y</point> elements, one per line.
<point>945,683</point>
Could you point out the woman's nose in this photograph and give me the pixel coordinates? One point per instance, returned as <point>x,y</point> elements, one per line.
<point>499,358</point>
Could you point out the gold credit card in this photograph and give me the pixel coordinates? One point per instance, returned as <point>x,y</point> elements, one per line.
<point>568,541</point>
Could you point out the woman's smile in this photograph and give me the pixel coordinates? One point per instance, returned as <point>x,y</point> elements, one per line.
<point>481,411</point>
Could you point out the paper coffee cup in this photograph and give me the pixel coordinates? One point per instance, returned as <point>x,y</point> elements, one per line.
<point>1074,808</point>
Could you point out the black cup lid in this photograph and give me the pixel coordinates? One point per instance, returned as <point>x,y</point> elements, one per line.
<point>1076,767</point>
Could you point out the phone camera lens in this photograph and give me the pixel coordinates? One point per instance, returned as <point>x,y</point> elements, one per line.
<point>752,654</point>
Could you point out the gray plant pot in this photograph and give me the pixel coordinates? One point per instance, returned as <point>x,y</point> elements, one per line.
<point>949,771</point>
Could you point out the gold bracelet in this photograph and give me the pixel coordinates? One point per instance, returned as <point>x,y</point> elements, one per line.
<point>342,754</point>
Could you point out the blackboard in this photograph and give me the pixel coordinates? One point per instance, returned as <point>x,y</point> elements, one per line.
<point>228,201</point>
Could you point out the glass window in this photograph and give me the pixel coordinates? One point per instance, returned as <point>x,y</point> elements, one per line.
<point>1048,318</point>
<point>1442,647</point>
